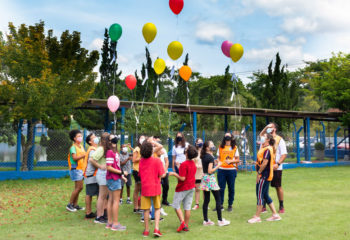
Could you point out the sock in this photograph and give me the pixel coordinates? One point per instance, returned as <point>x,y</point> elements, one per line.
<point>281,204</point>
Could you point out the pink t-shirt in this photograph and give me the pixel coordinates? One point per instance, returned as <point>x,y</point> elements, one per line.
<point>112,159</point>
<point>150,171</point>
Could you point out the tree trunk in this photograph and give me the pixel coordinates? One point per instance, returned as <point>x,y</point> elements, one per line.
<point>27,145</point>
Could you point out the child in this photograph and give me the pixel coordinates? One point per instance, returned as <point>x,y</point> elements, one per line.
<point>90,174</point>
<point>125,161</point>
<point>199,172</point>
<point>151,171</point>
<point>264,168</point>
<point>75,163</point>
<point>185,188</point>
<point>114,185</point>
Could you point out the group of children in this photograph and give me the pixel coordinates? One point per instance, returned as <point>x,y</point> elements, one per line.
<point>105,172</point>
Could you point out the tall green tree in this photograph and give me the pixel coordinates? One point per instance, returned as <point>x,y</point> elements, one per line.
<point>44,78</point>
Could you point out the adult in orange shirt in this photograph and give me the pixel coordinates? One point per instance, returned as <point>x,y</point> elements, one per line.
<point>228,155</point>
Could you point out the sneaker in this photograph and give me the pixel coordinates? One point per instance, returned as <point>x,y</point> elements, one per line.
<point>145,234</point>
<point>222,209</point>
<point>70,208</point>
<point>254,219</point>
<point>120,201</point>
<point>166,203</point>
<point>274,217</point>
<point>157,233</point>
<point>281,210</point>
<point>181,227</point>
<point>229,209</point>
<point>142,220</point>
<point>263,210</point>
<point>224,222</point>
<point>118,227</point>
<point>109,225</point>
<point>90,215</point>
<point>128,201</point>
<point>152,219</point>
<point>195,207</point>
<point>208,223</point>
<point>100,220</point>
<point>186,229</point>
<point>162,212</point>
<point>79,208</point>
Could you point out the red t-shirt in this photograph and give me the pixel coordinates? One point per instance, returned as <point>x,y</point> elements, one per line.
<point>112,159</point>
<point>188,170</point>
<point>150,171</point>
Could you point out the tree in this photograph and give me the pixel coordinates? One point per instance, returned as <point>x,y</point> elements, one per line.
<point>43,78</point>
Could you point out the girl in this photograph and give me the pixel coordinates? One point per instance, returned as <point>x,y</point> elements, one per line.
<point>228,155</point>
<point>178,151</point>
<point>114,184</point>
<point>209,184</point>
<point>199,172</point>
<point>264,167</point>
<point>135,172</point>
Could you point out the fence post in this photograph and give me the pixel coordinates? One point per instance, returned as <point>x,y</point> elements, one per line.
<point>335,145</point>
<point>203,136</point>
<point>298,144</point>
<point>323,135</point>
<point>30,162</point>
<point>122,132</point>
<point>316,135</point>
<point>194,127</point>
<point>19,144</point>
<point>254,137</point>
<point>131,140</point>
<point>84,137</point>
<point>244,145</point>
<point>170,149</point>
<point>308,139</point>
<point>107,129</point>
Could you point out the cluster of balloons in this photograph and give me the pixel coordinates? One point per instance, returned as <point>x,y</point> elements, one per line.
<point>233,51</point>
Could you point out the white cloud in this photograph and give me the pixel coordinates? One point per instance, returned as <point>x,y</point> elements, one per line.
<point>96,44</point>
<point>210,32</point>
<point>299,25</point>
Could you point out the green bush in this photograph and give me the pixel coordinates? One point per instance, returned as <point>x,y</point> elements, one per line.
<point>292,155</point>
<point>319,146</point>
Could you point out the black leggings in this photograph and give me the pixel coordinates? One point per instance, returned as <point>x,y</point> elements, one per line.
<point>206,203</point>
<point>165,187</point>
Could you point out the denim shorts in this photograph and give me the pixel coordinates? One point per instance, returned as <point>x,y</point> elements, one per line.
<point>114,185</point>
<point>101,177</point>
<point>76,175</point>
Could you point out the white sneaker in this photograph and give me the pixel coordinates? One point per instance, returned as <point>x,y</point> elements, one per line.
<point>254,219</point>
<point>274,218</point>
<point>209,223</point>
<point>162,212</point>
<point>224,222</point>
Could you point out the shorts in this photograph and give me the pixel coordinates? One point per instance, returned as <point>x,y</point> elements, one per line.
<point>92,189</point>
<point>198,181</point>
<point>136,176</point>
<point>185,197</point>
<point>129,182</point>
<point>101,177</point>
<point>114,185</point>
<point>146,202</point>
<point>277,178</point>
<point>76,175</point>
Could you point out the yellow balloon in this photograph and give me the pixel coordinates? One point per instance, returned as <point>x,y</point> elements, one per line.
<point>236,52</point>
<point>175,50</point>
<point>149,32</point>
<point>159,66</point>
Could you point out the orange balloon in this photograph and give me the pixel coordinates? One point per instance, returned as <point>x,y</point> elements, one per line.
<point>185,73</point>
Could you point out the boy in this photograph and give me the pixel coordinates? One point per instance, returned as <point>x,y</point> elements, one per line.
<point>75,162</point>
<point>125,162</point>
<point>151,171</point>
<point>90,174</point>
<point>185,187</point>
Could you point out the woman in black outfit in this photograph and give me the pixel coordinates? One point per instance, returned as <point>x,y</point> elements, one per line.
<point>209,184</point>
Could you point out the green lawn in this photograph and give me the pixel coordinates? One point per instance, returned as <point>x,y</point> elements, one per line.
<point>316,201</point>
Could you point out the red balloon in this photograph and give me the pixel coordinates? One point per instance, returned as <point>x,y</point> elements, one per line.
<point>176,6</point>
<point>130,82</point>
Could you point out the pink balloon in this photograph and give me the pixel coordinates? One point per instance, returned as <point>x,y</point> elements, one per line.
<point>113,103</point>
<point>225,48</point>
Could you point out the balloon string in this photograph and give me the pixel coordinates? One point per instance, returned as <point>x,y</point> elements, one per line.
<point>114,63</point>
<point>115,123</point>
<point>188,105</point>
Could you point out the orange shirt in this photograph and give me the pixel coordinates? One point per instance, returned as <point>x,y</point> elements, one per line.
<point>225,152</point>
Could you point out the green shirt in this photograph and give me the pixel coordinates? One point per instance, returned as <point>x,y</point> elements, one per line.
<point>72,151</point>
<point>99,155</point>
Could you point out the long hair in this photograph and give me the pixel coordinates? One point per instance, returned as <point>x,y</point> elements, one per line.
<point>204,149</point>
<point>105,143</point>
<point>271,140</point>
<point>223,142</point>
<point>183,142</point>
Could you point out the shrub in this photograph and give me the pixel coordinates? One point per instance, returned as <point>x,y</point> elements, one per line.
<point>319,146</point>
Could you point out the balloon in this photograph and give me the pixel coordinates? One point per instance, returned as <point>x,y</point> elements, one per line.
<point>113,103</point>
<point>175,50</point>
<point>176,6</point>
<point>236,52</point>
<point>159,66</point>
<point>225,48</point>
<point>130,82</point>
<point>149,32</point>
<point>185,72</point>
<point>115,32</point>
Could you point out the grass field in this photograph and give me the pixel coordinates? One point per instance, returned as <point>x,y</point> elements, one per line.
<point>316,201</point>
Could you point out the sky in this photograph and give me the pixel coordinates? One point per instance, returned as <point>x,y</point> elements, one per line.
<point>299,30</point>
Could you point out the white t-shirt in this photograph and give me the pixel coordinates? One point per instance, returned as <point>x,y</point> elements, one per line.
<point>281,150</point>
<point>179,152</point>
<point>162,158</point>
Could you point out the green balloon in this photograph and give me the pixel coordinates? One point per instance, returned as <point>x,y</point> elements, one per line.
<point>115,32</point>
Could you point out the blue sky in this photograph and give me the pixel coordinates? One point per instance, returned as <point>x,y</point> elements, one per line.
<point>298,29</point>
